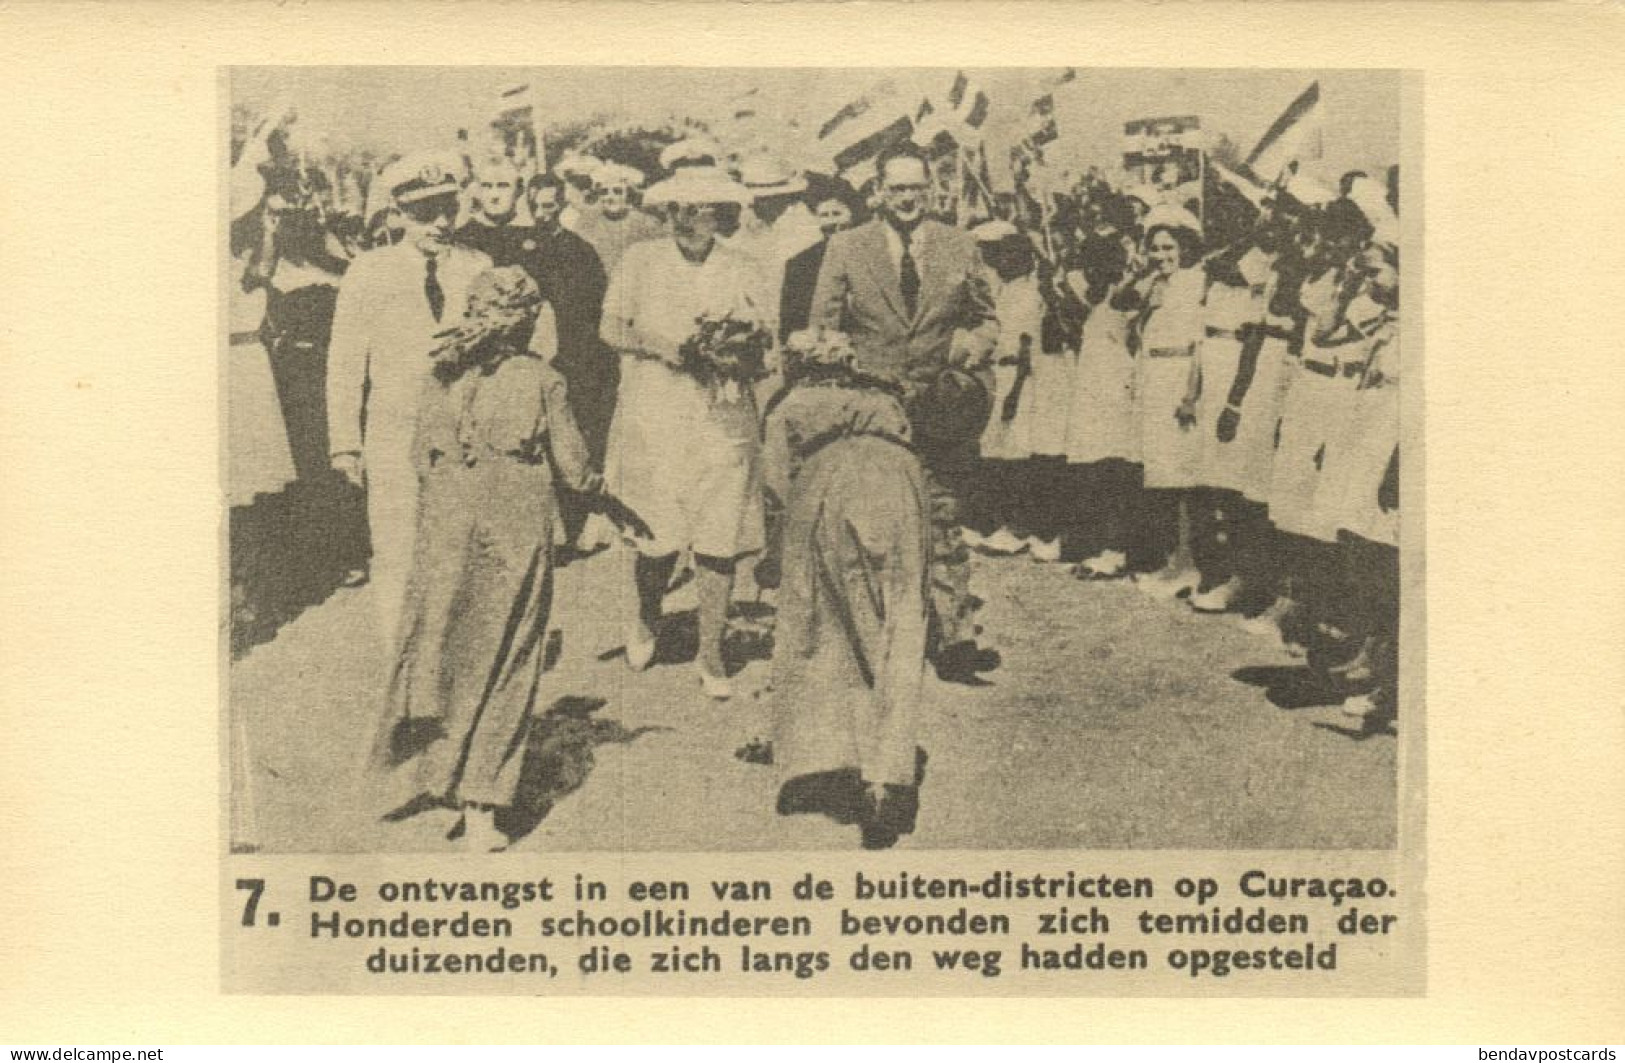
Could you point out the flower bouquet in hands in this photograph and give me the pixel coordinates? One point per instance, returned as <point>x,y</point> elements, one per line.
<point>726,353</point>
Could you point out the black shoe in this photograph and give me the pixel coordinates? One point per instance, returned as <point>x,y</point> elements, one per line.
<point>893,816</point>
<point>963,662</point>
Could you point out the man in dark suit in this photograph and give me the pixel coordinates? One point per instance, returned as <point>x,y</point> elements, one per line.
<point>835,208</point>
<point>910,292</point>
<point>571,277</point>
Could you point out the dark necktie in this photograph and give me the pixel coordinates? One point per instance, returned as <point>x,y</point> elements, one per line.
<point>431,287</point>
<point>909,280</point>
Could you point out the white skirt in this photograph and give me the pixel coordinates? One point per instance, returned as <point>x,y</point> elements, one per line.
<point>1312,418</point>
<point>687,463</point>
<point>1170,451</point>
<point>1009,440</point>
<point>1261,420</point>
<point>1221,462</point>
<point>1050,402</point>
<point>1102,422</point>
<point>1355,468</point>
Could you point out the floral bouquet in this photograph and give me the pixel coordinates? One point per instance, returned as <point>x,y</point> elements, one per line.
<point>817,352</point>
<point>726,352</point>
<point>503,304</point>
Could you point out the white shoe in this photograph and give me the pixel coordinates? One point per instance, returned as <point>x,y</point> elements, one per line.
<point>1042,551</point>
<point>1004,541</point>
<point>1169,583</point>
<point>640,652</point>
<point>1108,564</point>
<point>1217,599</point>
<point>596,533</point>
<point>1360,706</point>
<point>1267,624</point>
<point>480,834</point>
<point>716,688</point>
<point>972,538</point>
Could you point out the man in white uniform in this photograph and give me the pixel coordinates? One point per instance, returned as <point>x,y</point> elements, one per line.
<point>390,305</point>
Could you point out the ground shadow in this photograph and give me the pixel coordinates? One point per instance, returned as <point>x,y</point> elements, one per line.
<point>291,550</point>
<point>677,641</point>
<point>1291,686</point>
<point>559,756</point>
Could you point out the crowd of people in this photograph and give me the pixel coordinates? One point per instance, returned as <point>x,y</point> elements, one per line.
<point>732,360</point>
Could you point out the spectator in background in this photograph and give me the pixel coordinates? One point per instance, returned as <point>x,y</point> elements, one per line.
<point>299,263</point>
<point>836,207</point>
<point>614,223</point>
<point>491,228</point>
<point>572,280</point>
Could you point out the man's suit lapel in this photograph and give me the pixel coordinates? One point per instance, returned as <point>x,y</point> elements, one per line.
<point>884,270</point>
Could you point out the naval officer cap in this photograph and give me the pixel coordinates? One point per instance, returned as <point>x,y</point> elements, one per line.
<point>423,176</point>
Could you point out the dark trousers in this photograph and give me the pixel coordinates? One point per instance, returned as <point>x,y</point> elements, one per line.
<point>299,370</point>
<point>950,472</point>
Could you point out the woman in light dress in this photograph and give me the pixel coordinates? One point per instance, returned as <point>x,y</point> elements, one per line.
<point>1027,429</point>
<point>493,434</point>
<point>1357,497</point>
<point>1167,328</point>
<point>849,653</point>
<point>683,456</point>
<point>1103,432</point>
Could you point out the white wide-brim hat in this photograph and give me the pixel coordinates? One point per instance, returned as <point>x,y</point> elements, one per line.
<point>1166,215</point>
<point>764,177</point>
<point>991,232</point>
<point>1372,199</point>
<point>697,184</point>
<point>611,174</point>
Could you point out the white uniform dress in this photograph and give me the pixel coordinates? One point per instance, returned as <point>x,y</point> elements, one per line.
<point>1020,310</point>
<point>1170,451</point>
<point>377,364</point>
<point>1261,409</point>
<point>1227,311</point>
<point>1356,463</point>
<point>1312,417</point>
<point>1102,422</point>
<point>684,457</point>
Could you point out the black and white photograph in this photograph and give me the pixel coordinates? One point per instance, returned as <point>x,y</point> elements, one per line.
<point>714,460</point>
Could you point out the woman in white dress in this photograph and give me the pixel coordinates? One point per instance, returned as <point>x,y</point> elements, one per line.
<point>1002,509</point>
<point>1358,496</point>
<point>1103,432</point>
<point>683,456</point>
<point>1167,327</point>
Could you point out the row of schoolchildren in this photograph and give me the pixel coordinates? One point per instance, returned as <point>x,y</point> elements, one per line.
<point>1225,427</point>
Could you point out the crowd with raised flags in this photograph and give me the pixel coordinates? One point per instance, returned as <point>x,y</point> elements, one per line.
<point>838,382</point>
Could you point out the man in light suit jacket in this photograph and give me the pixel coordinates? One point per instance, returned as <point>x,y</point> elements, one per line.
<point>910,292</point>
<point>391,303</point>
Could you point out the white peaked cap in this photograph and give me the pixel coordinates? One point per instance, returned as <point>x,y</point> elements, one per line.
<point>1166,214</point>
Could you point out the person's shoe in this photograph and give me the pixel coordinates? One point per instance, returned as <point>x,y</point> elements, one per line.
<point>480,833</point>
<point>1004,541</point>
<point>1108,564</point>
<point>1048,552</point>
<point>355,577</point>
<point>1267,624</point>
<point>640,652</point>
<point>1360,706</point>
<point>1170,582</point>
<point>963,662</point>
<point>972,538</point>
<point>717,688</point>
<point>1217,599</point>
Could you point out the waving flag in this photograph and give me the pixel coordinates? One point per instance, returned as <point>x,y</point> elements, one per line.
<point>861,130</point>
<point>1294,136</point>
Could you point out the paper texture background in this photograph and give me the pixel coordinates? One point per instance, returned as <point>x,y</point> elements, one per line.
<point>110,506</point>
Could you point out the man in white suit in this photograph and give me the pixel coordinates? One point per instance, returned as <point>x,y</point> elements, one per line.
<point>391,304</point>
